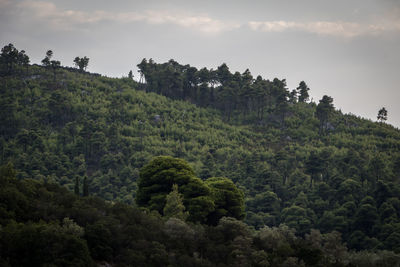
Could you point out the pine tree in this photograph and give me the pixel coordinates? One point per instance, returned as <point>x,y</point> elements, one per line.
<point>303,92</point>
<point>324,111</point>
<point>382,115</point>
<point>174,205</point>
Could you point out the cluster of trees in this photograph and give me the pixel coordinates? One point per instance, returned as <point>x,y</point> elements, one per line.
<point>10,58</point>
<point>81,63</point>
<point>233,93</point>
<point>43,224</point>
<point>205,202</point>
<point>323,170</point>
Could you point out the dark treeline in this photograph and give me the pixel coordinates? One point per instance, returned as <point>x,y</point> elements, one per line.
<point>309,167</point>
<point>232,93</point>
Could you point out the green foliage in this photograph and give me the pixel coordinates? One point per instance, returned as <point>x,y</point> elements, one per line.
<point>382,115</point>
<point>174,205</point>
<point>11,58</point>
<point>158,177</point>
<point>296,165</point>
<point>303,91</point>
<point>45,224</point>
<point>228,199</point>
<point>81,63</point>
<point>324,112</point>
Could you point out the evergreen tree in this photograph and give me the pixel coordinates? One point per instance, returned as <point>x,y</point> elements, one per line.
<point>46,60</point>
<point>10,57</point>
<point>160,174</point>
<point>174,205</point>
<point>382,115</point>
<point>228,199</point>
<point>53,64</point>
<point>324,111</point>
<point>81,63</point>
<point>303,92</point>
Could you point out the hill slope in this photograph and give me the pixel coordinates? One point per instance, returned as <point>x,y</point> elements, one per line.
<point>342,174</point>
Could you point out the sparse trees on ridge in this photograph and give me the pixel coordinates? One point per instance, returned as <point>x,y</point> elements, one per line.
<point>10,57</point>
<point>53,64</point>
<point>81,63</point>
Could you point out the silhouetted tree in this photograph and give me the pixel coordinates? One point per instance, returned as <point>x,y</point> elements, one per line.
<point>382,115</point>
<point>81,63</point>
<point>303,91</point>
<point>10,56</point>
<point>53,64</point>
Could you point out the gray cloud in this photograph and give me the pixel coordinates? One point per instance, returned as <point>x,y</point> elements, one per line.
<point>64,19</point>
<point>341,29</point>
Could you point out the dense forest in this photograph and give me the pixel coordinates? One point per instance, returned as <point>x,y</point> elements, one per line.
<point>304,174</point>
<point>44,224</point>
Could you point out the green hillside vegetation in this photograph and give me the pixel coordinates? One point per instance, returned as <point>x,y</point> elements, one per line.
<point>298,163</point>
<point>44,224</point>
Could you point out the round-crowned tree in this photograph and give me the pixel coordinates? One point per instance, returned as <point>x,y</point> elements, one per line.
<point>228,199</point>
<point>156,181</point>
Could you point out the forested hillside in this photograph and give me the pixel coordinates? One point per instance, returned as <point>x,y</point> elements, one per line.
<point>299,163</point>
<point>43,224</point>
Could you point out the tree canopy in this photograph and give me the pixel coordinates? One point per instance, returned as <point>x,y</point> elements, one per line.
<point>11,57</point>
<point>228,199</point>
<point>205,201</point>
<point>292,167</point>
<point>382,115</point>
<point>81,63</point>
<point>157,178</point>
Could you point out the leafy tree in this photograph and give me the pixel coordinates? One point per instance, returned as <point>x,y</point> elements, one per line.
<point>47,59</point>
<point>324,112</point>
<point>314,166</point>
<point>298,217</point>
<point>42,244</point>
<point>112,128</point>
<point>53,64</point>
<point>302,90</point>
<point>130,74</point>
<point>382,115</point>
<point>228,199</point>
<point>10,57</point>
<point>158,177</point>
<point>99,238</point>
<point>366,216</point>
<point>81,63</point>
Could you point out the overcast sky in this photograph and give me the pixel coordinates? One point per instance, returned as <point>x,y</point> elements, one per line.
<point>347,49</point>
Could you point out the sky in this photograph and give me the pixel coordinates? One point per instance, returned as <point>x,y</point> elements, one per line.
<point>347,49</point>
